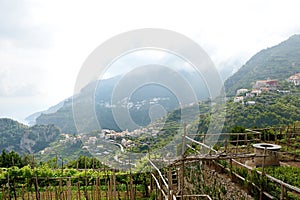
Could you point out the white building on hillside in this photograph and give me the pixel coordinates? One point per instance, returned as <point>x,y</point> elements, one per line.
<point>238,99</point>
<point>295,79</point>
<point>241,91</point>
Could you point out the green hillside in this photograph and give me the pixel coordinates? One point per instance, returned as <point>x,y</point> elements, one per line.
<point>269,110</point>
<point>23,139</point>
<point>278,62</point>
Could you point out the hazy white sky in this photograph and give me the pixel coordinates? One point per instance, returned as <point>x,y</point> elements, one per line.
<point>44,43</point>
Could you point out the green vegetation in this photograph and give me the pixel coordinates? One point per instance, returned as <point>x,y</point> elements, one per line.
<point>288,175</point>
<point>14,159</point>
<point>171,132</point>
<point>64,151</point>
<point>23,139</point>
<point>278,62</point>
<point>83,162</point>
<point>18,179</point>
<point>63,119</point>
<point>269,110</point>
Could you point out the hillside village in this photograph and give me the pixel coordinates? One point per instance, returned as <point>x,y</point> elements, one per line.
<point>265,86</point>
<point>111,136</point>
<point>243,95</point>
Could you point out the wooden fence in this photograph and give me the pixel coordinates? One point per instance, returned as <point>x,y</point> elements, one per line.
<point>67,188</point>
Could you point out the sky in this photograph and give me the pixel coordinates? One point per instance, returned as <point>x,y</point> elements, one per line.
<point>43,44</point>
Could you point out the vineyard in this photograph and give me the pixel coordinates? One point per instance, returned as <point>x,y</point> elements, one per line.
<point>45,183</point>
<point>201,172</point>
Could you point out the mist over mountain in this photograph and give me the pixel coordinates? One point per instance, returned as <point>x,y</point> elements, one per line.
<point>31,119</point>
<point>145,90</point>
<point>278,62</point>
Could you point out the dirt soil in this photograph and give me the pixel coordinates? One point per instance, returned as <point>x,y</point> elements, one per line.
<point>291,163</point>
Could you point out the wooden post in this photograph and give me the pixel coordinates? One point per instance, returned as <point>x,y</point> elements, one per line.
<point>260,137</point>
<point>114,185</point>
<point>93,166</point>
<point>110,187</point>
<point>262,175</point>
<point>3,193</point>
<point>246,139</point>
<point>36,185</point>
<point>287,139</point>
<point>295,152</point>
<point>62,167</point>
<point>32,195</point>
<point>125,195</point>
<point>170,183</point>
<point>131,181</point>
<point>151,181</point>
<point>162,155</point>
<point>183,141</point>
<point>100,190</point>
<point>230,163</point>
<point>78,191</point>
<point>86,181</point>
<point>160,197</point>
<point>131,187</point>
<point>60,189</point>
<point>28,194</point>
<point>8,187</point>
<point>47,192</point>
<point>50,193</point>
<point>237,143</point>
<point>182,164</point>
<point>281,192</point>
<point>182,179</point>
<point>69,189</point>
<point>155,186</point>
<point>171,194</point>
<point>23,194</point>
<point>275,137</point>
<point>97,189</point>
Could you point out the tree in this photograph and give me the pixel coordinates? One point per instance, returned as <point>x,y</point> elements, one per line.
<point>10,159</point>
<point>85,161</point>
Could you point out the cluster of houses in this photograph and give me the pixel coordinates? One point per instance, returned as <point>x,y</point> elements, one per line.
<point>126,103</point>
<point>111,134</point>
<point>67,138</point>
<point>127,142</point>
<point>104,134</point>
<point>260,86</point>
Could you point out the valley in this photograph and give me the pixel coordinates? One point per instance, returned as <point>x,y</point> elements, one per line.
<point>168,153</point>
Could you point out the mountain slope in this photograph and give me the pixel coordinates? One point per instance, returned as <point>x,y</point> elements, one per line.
<point>23,139</point>
<point>31,119</point>
<point>100,94</point>
<point>278,62</point>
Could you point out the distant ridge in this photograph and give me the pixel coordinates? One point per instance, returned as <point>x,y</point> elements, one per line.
<point>139,103</point>
<point>31,119</point>
<point>277,62</point>
<point>20,138</point>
